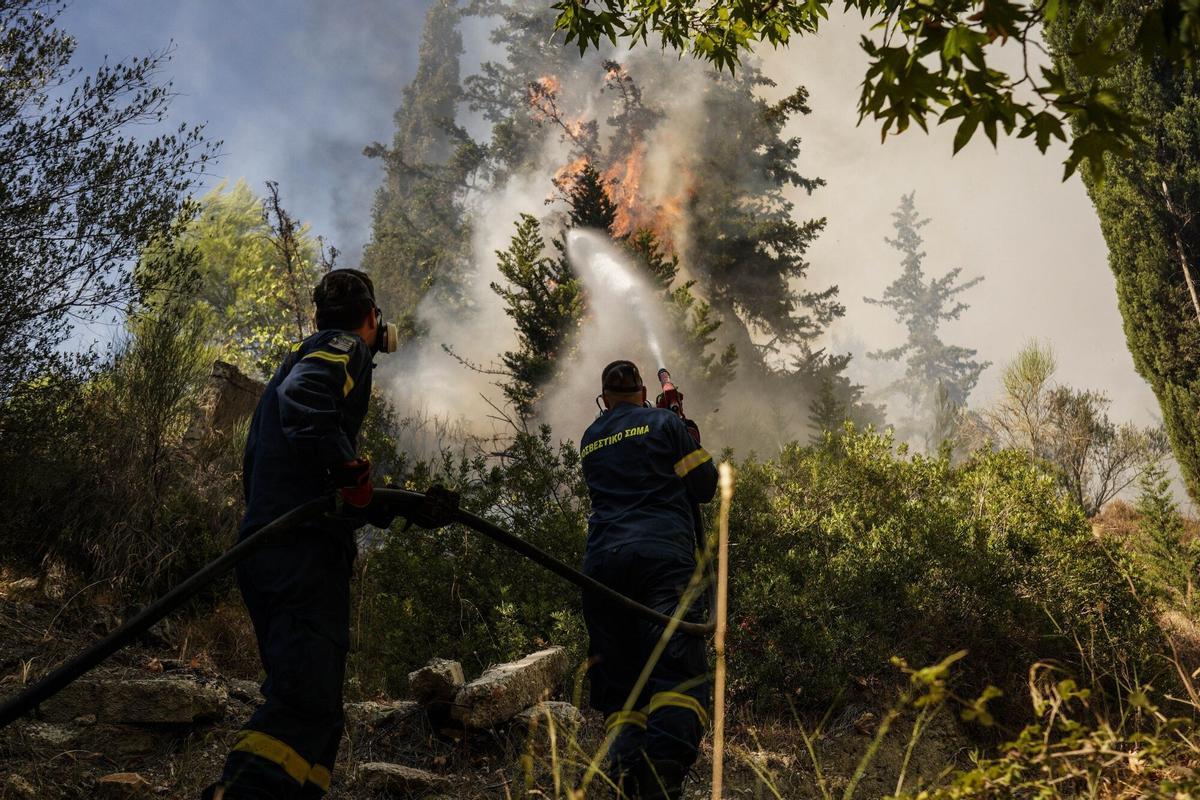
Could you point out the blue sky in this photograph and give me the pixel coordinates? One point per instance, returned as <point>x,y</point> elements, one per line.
<point>294,88</point>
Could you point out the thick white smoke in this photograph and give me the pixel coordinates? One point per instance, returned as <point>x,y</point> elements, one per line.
<point>445,402</point>
<point>622,321</point>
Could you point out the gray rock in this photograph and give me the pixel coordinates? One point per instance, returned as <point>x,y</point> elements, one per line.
<point>564,715</point>
<point>439,680</point>
<point>400,781</point>
<point>372,713</point>
<point>33,735</point>
<point>504,691</point>
<point>140,701</point>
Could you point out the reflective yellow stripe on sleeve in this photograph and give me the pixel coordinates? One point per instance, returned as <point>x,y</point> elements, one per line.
<point>679,700</point>
<point>692,460</point>
<point>277,752</point>
<point>338,358</point>
<point>320,777</point>
<point>620,718</point>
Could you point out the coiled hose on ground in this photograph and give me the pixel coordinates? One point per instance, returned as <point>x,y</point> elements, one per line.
<point>405,503</point>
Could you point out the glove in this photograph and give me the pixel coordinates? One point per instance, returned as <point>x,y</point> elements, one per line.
<point>693,429</point>
<point>436,510</point>
<point>353,482</point>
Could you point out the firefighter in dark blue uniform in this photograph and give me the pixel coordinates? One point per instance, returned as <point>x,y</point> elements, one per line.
<point>647,475</point>
<point>302,444</point>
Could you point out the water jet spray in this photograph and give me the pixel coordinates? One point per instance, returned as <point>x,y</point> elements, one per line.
<point>611,282</point>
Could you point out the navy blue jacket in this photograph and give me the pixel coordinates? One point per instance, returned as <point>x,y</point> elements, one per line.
<point>306,422</point>
<point>644,472</point>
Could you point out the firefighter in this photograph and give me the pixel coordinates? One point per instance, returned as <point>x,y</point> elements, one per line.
<point>302,444</point>
<point>646,474</point>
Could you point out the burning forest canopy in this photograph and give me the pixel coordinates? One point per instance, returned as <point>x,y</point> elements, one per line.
<point>685,169</point>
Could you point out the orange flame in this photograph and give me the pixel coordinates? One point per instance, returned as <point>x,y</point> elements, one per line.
<point>634,211</point>
<point>624,179</point>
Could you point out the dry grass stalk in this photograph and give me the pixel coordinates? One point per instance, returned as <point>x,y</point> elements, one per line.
<point>718,759</point>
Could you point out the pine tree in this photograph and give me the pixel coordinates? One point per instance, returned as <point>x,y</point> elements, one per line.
<point>748,245</point>
<point>1173,557</point>
<point>589,201</point>
<point>543,299</point>
<point>826,413</point>
<point>1147,205</point>
<point>922,304</point>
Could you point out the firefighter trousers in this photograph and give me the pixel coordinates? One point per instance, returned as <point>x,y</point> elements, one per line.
<point>657,736</point>
<point>298,596</point>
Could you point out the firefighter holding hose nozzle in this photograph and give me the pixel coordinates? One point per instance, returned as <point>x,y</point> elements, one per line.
<point>646,474</point>
<point>302,443</point>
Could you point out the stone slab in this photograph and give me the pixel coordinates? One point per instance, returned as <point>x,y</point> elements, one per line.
<point>504,691</point>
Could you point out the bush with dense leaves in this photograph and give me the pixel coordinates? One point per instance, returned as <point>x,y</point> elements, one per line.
<point>847,554</point>
<point>453,593</point>
<point>97,476</point>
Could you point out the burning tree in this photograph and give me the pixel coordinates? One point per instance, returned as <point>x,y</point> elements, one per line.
<point>692,170</point>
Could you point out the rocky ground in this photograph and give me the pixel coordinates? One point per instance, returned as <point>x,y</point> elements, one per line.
<point>156,722</point>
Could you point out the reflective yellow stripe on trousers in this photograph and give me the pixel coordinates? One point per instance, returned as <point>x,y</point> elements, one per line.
<point>679,700</point>
<point>320,777</point>
<point>277,752</point>
<point>620,718</point>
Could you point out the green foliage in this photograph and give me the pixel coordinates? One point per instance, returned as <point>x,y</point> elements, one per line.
<point>256,270</point>
<point>543,299</point>
<point>1147,206</point>
<point>1068,430</point>
<point>1169,552</point>
<point>932,60</point>
<point>932,367</point>
<point>98,476</point>
<point>419,234</point>
<point>847,555</point>
<point>1079,746</point>
<point>452,593</point>
<point>80,196</point>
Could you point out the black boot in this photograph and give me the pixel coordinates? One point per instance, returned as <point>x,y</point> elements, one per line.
<point>627,786</point>
<point>662,780</point>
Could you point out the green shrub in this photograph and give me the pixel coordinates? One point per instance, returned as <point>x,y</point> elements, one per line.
<point>96,473</point>
<point>846,554</point>
<point>453,593</point>
<point>1082,745</point>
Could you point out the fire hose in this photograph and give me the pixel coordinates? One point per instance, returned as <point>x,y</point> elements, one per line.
<point>406,503</point>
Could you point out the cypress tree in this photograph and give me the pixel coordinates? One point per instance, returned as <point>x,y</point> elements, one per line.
<point>1147,203</point>
<point>419,231</point>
